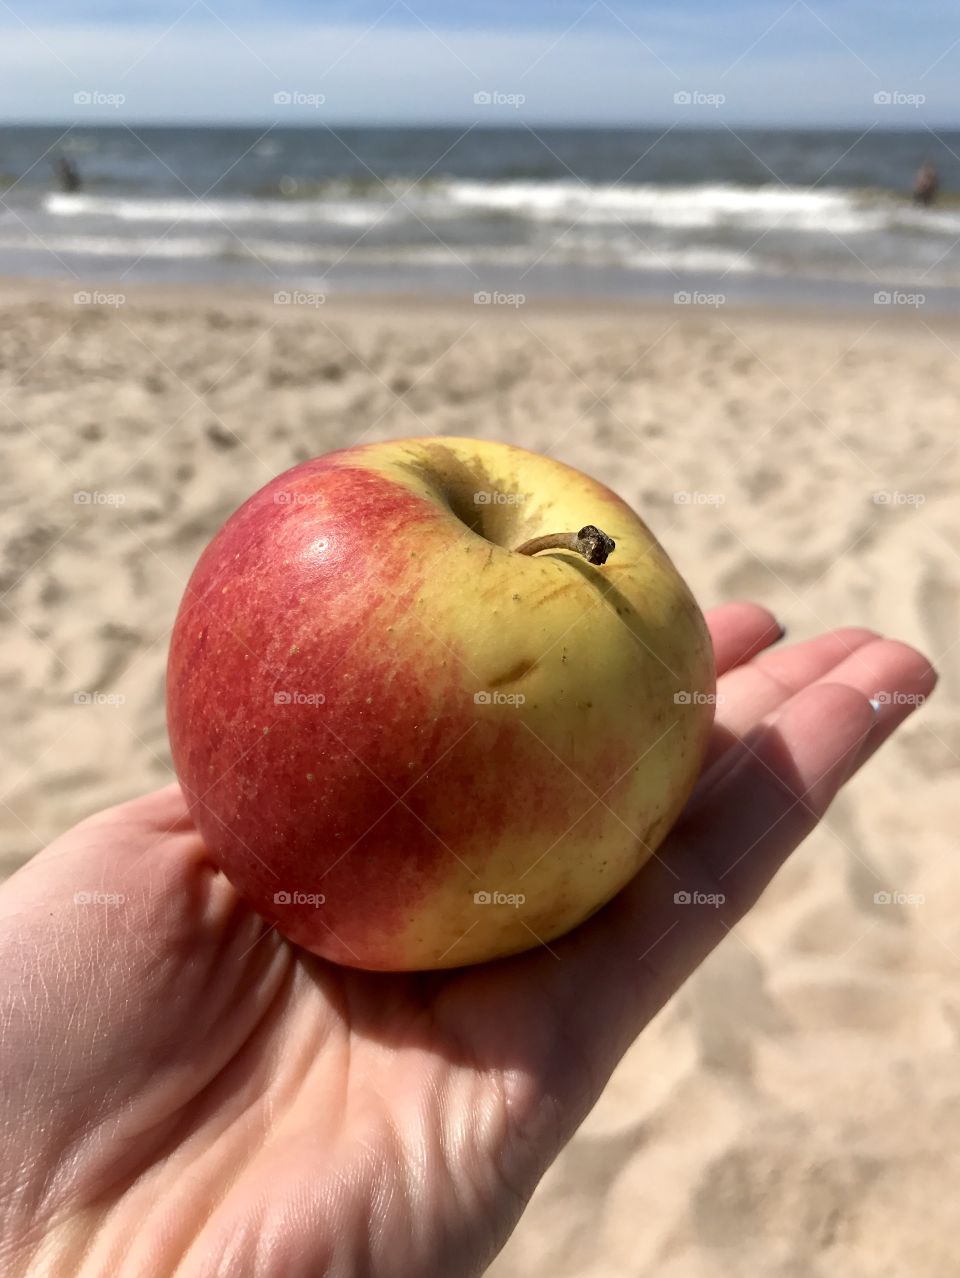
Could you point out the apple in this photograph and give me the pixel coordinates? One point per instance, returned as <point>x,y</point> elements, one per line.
<point>423,712</point>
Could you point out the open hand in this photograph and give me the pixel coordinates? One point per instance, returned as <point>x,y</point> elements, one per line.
<point>182,1091</point>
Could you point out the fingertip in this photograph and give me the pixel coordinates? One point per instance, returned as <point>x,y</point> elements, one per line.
<point>739,631</point>
<point>910,667</point>
<point>756,616</point>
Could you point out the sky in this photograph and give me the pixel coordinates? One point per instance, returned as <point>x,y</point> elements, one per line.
<point>744,62</point>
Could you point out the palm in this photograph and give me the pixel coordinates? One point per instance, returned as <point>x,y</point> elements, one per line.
<point>183,1087</point>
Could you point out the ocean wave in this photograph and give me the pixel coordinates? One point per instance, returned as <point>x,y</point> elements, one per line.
<point>521,225</point>
<point>718,207</point>
<point>700,207</point>
<point>289,258</point>
<point>177,209</point>
<point>118,246</point>
<point>625,253</point>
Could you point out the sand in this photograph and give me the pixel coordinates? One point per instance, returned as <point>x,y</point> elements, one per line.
<point>795,1111</point>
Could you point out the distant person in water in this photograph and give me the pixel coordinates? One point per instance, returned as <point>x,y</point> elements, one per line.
<point>68,175</point>
<point>925,185</point>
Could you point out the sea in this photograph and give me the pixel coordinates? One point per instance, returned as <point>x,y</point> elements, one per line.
<point>513,212</point>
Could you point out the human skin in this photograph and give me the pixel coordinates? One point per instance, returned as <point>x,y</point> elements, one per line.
<point>184,1092</point>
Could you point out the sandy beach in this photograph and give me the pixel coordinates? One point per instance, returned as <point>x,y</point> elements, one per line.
<point>794,1112</point>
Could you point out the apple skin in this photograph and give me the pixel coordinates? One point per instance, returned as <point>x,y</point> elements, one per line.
<point>324,719</point>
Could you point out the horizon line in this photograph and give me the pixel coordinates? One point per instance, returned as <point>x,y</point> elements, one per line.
<point>706,126</point>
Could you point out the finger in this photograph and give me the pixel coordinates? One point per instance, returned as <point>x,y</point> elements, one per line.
<point>793,668</point>
<point>896,677</point>
<point>739,631</point>
<point>616,971</point>
<point>749,693</point>
<point>779,788</point>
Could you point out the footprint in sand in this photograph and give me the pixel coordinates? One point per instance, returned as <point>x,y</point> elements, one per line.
<point>760,482</point>
<point>22,552</point>
<point>119,644</point>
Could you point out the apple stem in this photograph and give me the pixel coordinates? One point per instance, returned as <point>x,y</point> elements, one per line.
<point>594,545</point>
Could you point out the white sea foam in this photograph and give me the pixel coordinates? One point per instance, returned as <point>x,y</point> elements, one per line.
<point>690,207</point>
<point>627,255</point>
<point>187,209</point>
<point>704,207</point>
<point>124,246</point>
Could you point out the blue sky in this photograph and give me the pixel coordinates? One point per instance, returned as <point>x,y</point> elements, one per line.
<point>556,61</point>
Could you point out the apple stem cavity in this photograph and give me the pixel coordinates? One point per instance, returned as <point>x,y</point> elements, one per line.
<point>595,546</point>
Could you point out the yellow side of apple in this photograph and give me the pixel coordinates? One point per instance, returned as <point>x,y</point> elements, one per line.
<point>603,674</point>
